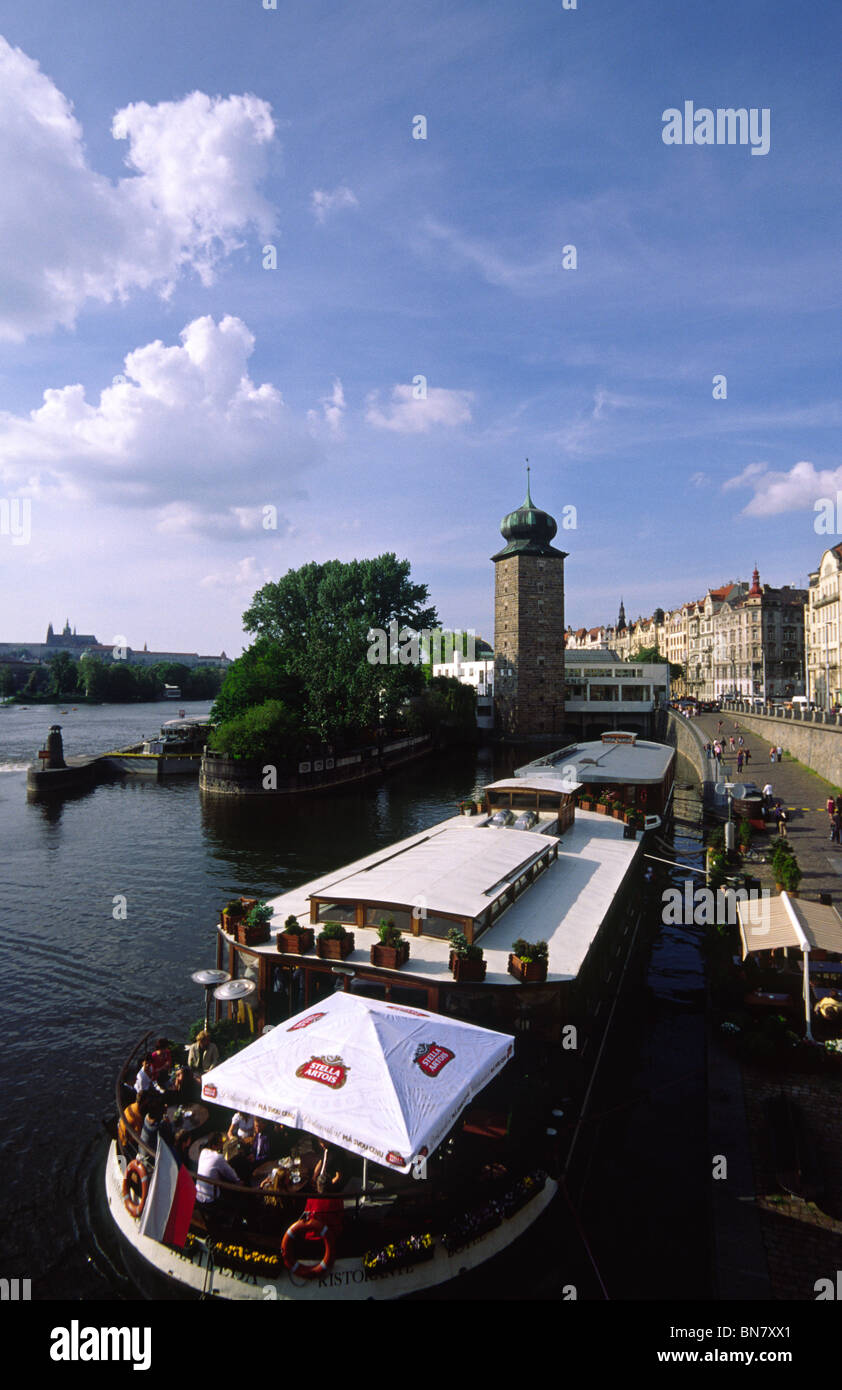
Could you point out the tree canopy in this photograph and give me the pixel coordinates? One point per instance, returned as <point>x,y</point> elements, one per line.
<point>312,630</point>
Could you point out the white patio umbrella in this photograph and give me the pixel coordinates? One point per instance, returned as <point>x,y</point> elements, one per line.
<point>378,1079</point>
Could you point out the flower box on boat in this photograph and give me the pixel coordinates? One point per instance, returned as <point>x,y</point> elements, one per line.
<point>389,957</point>
<point>296,943</point>
<point>331,947</point>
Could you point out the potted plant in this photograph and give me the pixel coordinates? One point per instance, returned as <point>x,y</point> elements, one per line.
<point>791,875</point>
<point>528,961</point>
<point>253,929</point>
<point>781,856</point>
<point>744,835</point>
<point>294,940</point>
<point>232,913</point>
<point>602,803</point>
<point>586,803</point>
<point>334,942</point>
<point>392,950</point>
<point>467,808</point>
<point>467,963</point>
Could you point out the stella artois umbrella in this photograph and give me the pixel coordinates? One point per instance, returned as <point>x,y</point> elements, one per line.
<point>378,1079</point>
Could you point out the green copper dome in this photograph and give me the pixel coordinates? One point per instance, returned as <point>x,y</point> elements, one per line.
<point>528,531</point>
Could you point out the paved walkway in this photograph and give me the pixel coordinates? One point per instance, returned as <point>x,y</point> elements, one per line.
<point>803,793</point>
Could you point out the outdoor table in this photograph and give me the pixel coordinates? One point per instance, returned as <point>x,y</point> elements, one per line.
<point>194,1117</point>
<point>263,1170</point>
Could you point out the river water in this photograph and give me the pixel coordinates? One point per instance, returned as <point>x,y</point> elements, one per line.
<point>81,986</point>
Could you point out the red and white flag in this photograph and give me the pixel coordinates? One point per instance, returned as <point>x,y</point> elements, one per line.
<point>169,1205</point>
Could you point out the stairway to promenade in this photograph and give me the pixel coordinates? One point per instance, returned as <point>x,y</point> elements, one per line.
<point>803,793</point>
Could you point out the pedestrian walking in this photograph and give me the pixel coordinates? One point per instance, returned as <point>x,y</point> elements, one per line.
<point>836,833</point>
<point>748,756</point>
<point>740,761</point>
<point>780,752</point>
<point>839,802</point>
<point>782,820</point>
<point>830,808</point>
<point>740,741</point>
<point>732,743</point>
<point>772,754</point>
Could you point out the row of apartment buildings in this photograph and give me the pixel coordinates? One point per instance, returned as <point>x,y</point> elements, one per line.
<point>740,639</point>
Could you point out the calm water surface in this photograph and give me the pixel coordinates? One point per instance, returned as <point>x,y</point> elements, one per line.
<point>80,987</point>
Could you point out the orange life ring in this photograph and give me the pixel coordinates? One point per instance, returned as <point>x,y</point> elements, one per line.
<point>308,1223</point>
<point>134,1205</point>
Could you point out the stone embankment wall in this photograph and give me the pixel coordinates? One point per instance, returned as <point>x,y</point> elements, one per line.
<point>682,734</point>
<point>816,745</point>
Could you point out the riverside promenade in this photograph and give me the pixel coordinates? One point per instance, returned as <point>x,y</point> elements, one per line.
<point>768,1244</point>
<point>804,793</point>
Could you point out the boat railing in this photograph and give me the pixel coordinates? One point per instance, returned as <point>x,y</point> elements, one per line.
<point>439,1192</point>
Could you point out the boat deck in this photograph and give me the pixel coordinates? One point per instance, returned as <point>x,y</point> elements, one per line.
<point>566,906</point>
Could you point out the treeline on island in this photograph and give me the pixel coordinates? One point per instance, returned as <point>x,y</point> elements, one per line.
<point>309,676</point>
<point>63,678</point>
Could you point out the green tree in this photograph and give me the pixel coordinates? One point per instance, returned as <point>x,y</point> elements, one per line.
<point>94,675</point>
<point>8,684</point>
<point>318,620</point>
<point>64,674</point>
<point>258,675</point>
<point>267,728</point>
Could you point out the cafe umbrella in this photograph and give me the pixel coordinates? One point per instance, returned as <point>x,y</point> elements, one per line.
<point>378,1079</point>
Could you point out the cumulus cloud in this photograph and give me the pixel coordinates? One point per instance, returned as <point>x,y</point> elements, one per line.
<point>776,492</point>
<point>182,431</point>
<point>333,412</point>
<point>411,413</point>
<point>323,202</point>
<point>246,575</point>
<point>68,234</point>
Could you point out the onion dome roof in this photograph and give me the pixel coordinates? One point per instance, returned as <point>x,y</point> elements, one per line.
<point>528,531</point>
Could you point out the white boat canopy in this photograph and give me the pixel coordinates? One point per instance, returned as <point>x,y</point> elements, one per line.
<point>773,923</point>
<point>378,1079</point>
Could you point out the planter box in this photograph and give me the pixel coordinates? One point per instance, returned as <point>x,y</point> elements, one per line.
<point>335,948</point>
<point>252,936</point>
<point>296,943</point>
<point>468,810</point>
<point>467,971</point>
<point>389,957</point>
<point>617,813</point>
<point>534,972</point>
<point>602,807</point>
<point>586,805</point>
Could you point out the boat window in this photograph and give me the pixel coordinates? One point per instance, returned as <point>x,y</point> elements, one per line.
<point>369,989</point>
<point>336,912</point>
<point>433,925</point>
<point>402,919</point>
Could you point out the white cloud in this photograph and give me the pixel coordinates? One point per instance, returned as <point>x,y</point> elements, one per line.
<point>247,575</point>
<point>68,234</point>
<point>333,412</point>
<point>183,431</point>
<point>776,492</point>
<point>322,202</point>
<point>407,415</point>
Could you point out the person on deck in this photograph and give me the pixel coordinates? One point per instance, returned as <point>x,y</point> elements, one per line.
<point>212,1165</point>
<point>203,1054</point>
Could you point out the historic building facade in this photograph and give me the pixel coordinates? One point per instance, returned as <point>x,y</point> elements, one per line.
<point>529,626</point>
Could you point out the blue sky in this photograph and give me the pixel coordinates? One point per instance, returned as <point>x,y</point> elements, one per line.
<point>149,153</point>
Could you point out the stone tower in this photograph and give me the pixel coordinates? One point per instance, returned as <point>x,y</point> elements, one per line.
<point>529,626</point>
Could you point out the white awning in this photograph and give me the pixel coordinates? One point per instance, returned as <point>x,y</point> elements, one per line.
<point>381,1080</point>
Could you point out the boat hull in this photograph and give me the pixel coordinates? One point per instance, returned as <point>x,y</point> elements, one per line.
<point>161,1272</point>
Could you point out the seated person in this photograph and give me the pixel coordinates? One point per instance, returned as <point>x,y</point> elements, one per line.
<point>130,1124</point>
<point>242,1127</point>
<point>203,1054</point>
<point>180,1145</point>
<point>145,1080</point>
<point>212,1165</point>
<point>162,1063</point>
<point>261,1148</point>
<point>153,1118</point>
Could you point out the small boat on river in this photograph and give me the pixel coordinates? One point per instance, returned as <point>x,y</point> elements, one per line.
<point>175,752</point>
<point>513,918</point>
